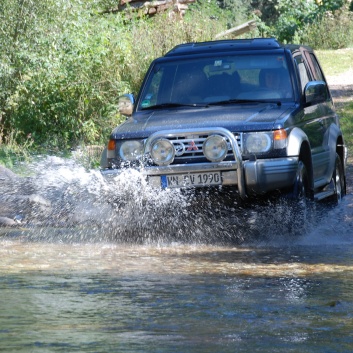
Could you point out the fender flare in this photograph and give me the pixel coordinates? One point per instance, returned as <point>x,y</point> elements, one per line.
<point>295,141</point>
<point>299,146</point>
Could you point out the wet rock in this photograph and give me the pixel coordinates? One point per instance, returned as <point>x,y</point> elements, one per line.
<point>31,207</point>
<point>19,200</point>
<point>7,174</point>
<point>7,222</point>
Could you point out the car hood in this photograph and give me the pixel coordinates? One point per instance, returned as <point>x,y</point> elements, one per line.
<point>240,117</point>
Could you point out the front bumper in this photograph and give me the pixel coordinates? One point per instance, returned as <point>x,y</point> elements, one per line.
<point>253,178</point>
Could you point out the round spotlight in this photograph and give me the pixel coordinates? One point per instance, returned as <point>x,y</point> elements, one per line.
<point>215,148</point>
<point>162,152</point>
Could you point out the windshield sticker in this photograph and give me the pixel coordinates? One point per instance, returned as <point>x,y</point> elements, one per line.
<point>145,103</point>
<point>218,63</point>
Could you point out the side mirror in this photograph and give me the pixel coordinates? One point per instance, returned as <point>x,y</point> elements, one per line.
<point>126,104</point>
<point>315,92</point>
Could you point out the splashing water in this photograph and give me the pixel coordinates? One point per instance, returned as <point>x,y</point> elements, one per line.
<point>70,203</point>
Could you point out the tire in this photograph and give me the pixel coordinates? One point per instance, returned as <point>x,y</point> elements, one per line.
<point>338,182</point>
<point>301,203</point>
<point>301,187</point>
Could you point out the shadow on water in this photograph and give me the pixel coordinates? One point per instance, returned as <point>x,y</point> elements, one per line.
<point>75,205</point>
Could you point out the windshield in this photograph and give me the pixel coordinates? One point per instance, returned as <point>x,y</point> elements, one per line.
<point>217,79</point>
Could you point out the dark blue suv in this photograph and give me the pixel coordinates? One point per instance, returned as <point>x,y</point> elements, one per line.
<point>254,115</point>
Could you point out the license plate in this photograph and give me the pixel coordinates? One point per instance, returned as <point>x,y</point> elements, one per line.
<point>192,179</point>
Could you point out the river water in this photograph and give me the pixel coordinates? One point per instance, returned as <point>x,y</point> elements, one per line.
<point>159,273</point>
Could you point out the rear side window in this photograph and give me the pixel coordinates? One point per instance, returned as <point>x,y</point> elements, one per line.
<point>302,70</point>
<point>317,71</point>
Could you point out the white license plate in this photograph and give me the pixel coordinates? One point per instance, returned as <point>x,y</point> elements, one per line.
<point>192,179</point>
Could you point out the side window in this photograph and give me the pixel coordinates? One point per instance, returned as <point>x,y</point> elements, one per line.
<point>151,94</point>
<point>303,72</point>
<point>318,73</point>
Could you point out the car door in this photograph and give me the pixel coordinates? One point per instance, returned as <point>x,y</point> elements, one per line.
<point>313,124</point>
<point>327,110</point>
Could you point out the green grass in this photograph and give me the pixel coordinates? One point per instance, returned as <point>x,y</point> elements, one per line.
<point>12,154</point>
<point>346,114</point>
<point>335,62</point>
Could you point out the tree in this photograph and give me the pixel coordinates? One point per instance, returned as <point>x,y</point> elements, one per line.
<point>294,15</point>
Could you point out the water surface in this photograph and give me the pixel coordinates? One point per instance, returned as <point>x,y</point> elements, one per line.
<point>149,279</point>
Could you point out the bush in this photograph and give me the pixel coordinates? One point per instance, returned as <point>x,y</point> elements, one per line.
<point>334,30</point>
<point>293,17</point>
<point>69,94</point>
<point>61,78</point>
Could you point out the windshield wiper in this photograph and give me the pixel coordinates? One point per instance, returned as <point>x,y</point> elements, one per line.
<point>174,105</point>
<point>240,101</point>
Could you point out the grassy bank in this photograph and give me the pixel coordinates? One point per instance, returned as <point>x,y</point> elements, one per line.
<point>334,63</point>
<point>346,114</point>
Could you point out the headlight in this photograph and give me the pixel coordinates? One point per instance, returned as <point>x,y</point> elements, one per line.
<point>215,148</point>
<point>162,152</point>
<point>131,150</point>
<point>257,142</point>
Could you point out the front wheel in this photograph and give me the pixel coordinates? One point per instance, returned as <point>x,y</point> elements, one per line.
<point>301,187</point>
<point>300,202</point>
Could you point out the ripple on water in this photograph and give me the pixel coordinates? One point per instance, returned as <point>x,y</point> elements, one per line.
<point>119,267</point>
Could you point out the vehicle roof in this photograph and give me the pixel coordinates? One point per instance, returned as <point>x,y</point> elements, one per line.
<point>230,45</point>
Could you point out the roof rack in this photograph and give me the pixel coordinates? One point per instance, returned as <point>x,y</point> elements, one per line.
<point>224,45</point>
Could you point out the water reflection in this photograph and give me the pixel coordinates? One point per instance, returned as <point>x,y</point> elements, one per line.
<point>94,297</point>
<point>76,289</point>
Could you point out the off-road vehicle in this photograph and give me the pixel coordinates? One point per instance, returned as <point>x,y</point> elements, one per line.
<point>253,115</point>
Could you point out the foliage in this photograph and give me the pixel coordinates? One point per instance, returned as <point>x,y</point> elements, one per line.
<point>288,20</point>
<point>292,15</point>
<point>11,153</point>
<point>62,72</point>
<point>236,10</point>
<point>64,87</point>
<point>63,63</point>
<point>334,30</point>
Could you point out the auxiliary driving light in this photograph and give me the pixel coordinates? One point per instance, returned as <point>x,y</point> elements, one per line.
<point>162,152</point>
<point>215,148</point>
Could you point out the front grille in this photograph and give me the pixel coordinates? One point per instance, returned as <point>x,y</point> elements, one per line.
<point>190,147</point>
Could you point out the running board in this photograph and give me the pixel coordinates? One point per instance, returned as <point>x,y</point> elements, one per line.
<point>323,194</point>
